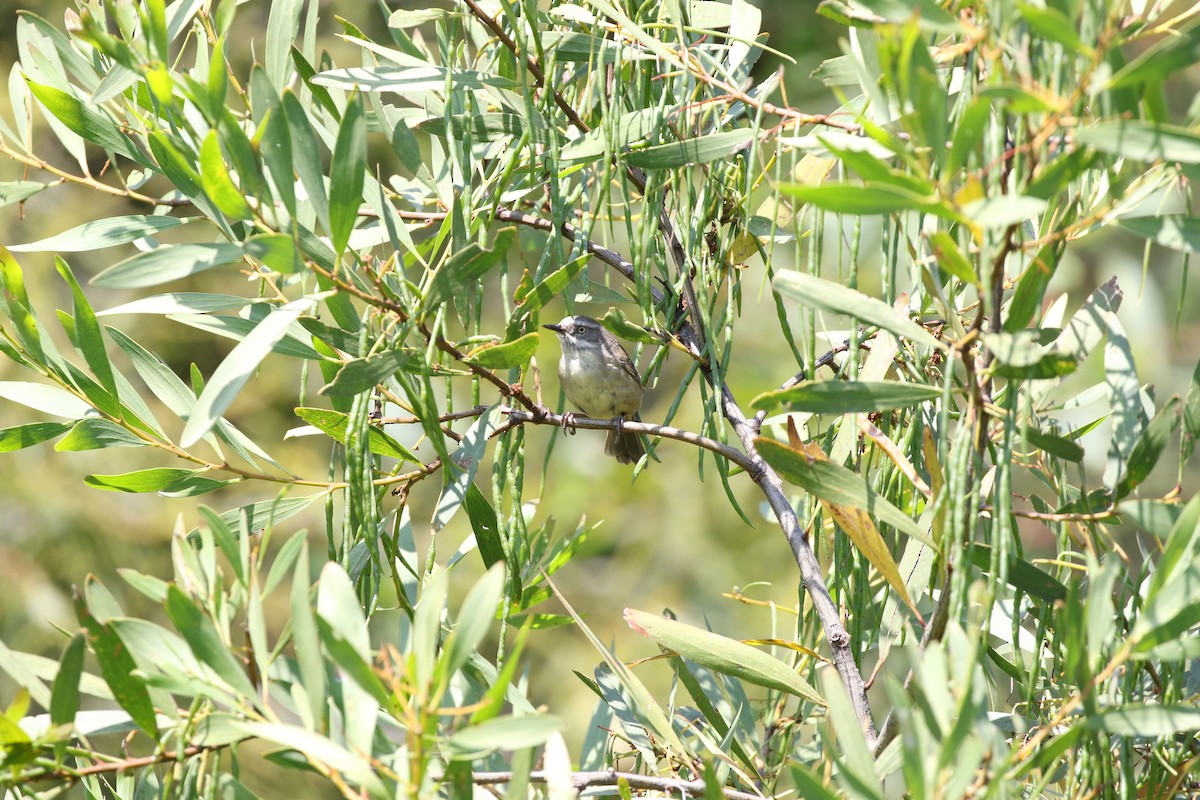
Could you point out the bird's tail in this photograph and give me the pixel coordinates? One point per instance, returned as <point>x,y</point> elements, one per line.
<point>625,447</point>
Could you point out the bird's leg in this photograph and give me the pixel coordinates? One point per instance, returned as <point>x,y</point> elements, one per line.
<point>568,423</point>
<point>620,420</point>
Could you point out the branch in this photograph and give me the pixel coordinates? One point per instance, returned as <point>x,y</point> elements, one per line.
<point>584,780</point>
<point>665,431</point>
<point>120,765</point>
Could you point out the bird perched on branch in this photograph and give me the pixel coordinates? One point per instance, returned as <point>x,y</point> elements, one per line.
<point>601,380</point>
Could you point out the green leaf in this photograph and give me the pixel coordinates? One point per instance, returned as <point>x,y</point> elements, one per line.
<point>179,303</point>
<point>44,398</point>
<point>545,290</point>
<point>88,334</point>
<point>1149,447</point>
<point>868,199</point>
<point>168,263</point>
<point>1142,141</point>
<point>236,369</point>
<point>336,425</point>
<point>85,121</point>
<point>306,157</point>
<point>16,191</point>
<point>485,127</point>
<point>238,328</point>
<point>832,297</point>
<point>276,251</point>
<point>362,374</point>
<point>95,433</point>
<point>951,259</point>
<point>262,513</point>
<point>410,80</point>
<point>616,133</point>
<point>700,150</point>
<point>1022,575</point>
<point>1052,24</point>
<point>101,233</point>
<point>142,480</point>
<point>504,733</point>
<point>1172,604</point>
<point>1146,721</point>
<point>485,526</point>
<point>462,269</point>
<point>1152,516</point>
<point>217,183</point>
<point>22,436</point>
<point>205,642</point>
<point>64,699</point>
<point>848,397</point>
<point>722,655</point>
<point>14,301</point>
<point>283,24</point>
<point>1031,289</point>
<point>347,174</point>
<point>505,356</point>
<point>618,325</point>
<point>460,473</point>
<point>1180,547</point>
<point>117,667</point>
<point>835,484</point>
<point>1054,445</point>
<point>1003,210</point>
<point>353,767</point>
<point>1176,231</point>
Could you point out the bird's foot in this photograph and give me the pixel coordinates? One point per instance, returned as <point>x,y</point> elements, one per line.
<point>568,423</point>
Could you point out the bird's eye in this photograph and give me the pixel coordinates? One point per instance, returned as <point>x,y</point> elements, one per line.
<point>581,329</point>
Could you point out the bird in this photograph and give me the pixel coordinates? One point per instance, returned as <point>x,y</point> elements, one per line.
<point>600,379</point>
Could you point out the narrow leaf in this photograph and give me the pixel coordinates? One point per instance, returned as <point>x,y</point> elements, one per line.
<point>336,425</point>
<point>167,263</point>
<point>726,656</point>
<point>101,233</point>
<point>848,397</point>
<point>347,174</point>
<point>237,368</point>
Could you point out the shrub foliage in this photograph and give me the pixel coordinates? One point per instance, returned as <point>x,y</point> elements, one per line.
<point>407,222</point>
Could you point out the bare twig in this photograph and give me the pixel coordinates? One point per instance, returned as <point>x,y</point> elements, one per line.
<point>584,780</point>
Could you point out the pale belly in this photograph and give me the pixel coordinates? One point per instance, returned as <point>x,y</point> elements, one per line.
<point>600,394</point>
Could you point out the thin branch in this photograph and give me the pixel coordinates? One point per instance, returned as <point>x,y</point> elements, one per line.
<point>120,765</point>
<point>585,780</point>
<point>665,431</point>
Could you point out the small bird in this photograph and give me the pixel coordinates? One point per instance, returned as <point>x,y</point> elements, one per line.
<point>601,380</point>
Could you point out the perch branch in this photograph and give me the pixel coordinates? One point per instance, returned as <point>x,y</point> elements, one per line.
<point>666,432</point>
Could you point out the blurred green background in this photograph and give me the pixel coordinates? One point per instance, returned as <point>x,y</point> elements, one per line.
<point>666,541</point>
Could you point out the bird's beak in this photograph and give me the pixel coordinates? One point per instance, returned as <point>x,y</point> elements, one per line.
<point>556,328</point>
